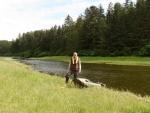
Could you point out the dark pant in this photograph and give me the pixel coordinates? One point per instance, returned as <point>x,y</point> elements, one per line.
<point>74,73</point>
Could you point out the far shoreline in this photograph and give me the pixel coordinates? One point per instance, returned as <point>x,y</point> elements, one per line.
<point>123,60</point>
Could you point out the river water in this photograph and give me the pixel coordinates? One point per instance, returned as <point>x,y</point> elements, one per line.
<point>135,79</point>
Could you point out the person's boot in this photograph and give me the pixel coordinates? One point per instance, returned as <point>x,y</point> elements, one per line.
<point>67,79</point>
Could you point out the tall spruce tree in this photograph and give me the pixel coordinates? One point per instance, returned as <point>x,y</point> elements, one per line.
<point>94,22</point>
<point>69,36</point>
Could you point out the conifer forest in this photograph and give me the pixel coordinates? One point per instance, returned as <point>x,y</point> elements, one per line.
<point>122,30</point>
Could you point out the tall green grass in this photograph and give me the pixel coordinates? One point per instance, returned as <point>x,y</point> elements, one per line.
<point>23,90</point>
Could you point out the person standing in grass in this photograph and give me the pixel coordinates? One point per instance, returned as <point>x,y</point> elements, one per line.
<point>74,66</point>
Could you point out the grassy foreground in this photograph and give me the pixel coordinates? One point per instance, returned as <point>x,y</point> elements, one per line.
<point>143,61</point>
<point>23,90</point>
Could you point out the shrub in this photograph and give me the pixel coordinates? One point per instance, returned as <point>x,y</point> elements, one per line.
<point>42,54</point>
<point>26,54</point>
<point>96,52</point>
<point>145,51</point>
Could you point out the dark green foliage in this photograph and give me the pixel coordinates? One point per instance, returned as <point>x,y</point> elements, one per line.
<point>123,31</point>
<point>26,54</point>
<point>5,48</point>
<point>96,52</point>
<point>145,51</point>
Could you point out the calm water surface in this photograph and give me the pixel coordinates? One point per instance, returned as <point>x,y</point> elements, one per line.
<point>135,79</point>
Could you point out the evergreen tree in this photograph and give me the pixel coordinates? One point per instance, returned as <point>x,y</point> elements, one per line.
<point>141,23</point>
<point>69,35</point>
<point>125,30</point>
<point>4,47</point>
<point>94,21</point>
<point>78,27</point>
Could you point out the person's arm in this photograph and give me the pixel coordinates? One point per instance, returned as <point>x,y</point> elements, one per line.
<point>69,66</point>
<point>79,65</point>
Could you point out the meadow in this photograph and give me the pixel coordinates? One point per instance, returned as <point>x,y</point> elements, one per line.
<point>24,90</point>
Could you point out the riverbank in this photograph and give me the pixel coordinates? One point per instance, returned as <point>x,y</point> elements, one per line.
<point>25,90</point>
<point>142,61</point>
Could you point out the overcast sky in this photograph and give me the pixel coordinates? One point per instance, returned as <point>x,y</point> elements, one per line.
<point>21,16</point>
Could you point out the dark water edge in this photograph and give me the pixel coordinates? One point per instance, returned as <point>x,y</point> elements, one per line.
<point>135,79</point>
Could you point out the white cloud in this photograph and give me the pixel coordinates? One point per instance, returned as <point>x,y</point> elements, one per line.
<point>19,16</point>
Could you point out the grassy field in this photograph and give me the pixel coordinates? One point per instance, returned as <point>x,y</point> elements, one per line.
<point>23,90</point>
<point>143,61</point>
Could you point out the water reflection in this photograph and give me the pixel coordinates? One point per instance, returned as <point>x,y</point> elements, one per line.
<point>133,78</point>
<point>51,67</point>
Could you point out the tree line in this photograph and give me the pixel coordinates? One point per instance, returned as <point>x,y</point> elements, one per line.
<point>124,30</point>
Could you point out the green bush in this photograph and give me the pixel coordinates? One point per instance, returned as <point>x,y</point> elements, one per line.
<point>145,51</point>
<point>42,54</point>
<point>8,54</point>
<point>84,53</point>
<point>26,54</point>
<point>36,53</point>
<point>96,52</point>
